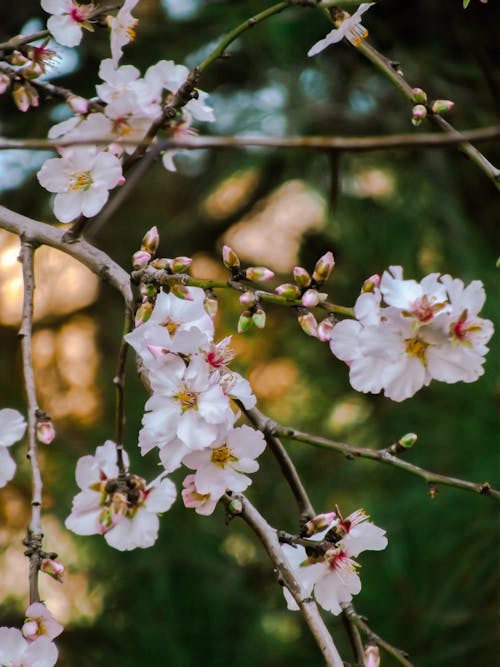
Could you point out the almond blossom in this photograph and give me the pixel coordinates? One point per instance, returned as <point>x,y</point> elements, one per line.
<point>330,573</point>
<point>122,29</point>
<point>81,179</point>
<point>16,651</point>
<point>68,20</point>
<point>350,28</point>
<point>39,622</point>
<point>12,428</point>
<point>121,507</point>
<point>223,466</point>
<point>202,503</point>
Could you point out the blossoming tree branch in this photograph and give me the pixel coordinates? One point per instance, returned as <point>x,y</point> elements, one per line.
<point>200,415</point>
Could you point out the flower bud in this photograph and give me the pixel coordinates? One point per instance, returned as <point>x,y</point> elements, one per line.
<point>419,112</point>
<point>78,104</point>
<point>301,276</point>
<point>259,318</point>
<point>419,96</point>
<point>371,283</point>
<point>245,321</point>
<point>258,274</point>
<point>310,298</point>
<point>248,298</point>
<point>372,656</point>
<point>235,506</point>
<point>17,59</point>
<point>151,241</point>
<point>308,324</point>
<point>442,106</point>
<point>210,303</point>
<point>53,568</point>
<point>317,524</point>
<point>181,292</point>
<point>45,431</point>
<point>20,97</point>
<point>230,258</point>
<point>140,259</point>
<point>324,267</point>
<point>288,290</point>
<point>32,71</point>
<point>143,313</point>
<point>30,630</point>
<point>4,83</point>
<point>325,329</point>
<point>160,263</point>
<point>407,441</point>
<point>147,290</point>
<point>180,264</point>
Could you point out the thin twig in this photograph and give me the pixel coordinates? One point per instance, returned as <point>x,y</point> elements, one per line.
<point>269,538</point>
<point>358,621</point>
<point>119,382</point>
<point>34,537</point>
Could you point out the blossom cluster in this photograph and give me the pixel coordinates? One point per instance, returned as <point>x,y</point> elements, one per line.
<point>425,331</point>
<point>189,416</point>
<point>32,646</point>
<point>126,107</point>
<point>327,567</point>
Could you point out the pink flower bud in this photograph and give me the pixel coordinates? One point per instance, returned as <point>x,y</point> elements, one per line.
<point>418,113</point>
<point>122,180</point>
<point>288,291</point>
<point>143,313</point>
<point>140,259</point>
<point>20,97</point>
<point>230,258</point>
<point>180,264</point>
<point>53,568</point>
<point>210,304</point>
<point>78,104</point>
<point>181,292</point>
<point>4,83</point>
<point>245,321</point>
<point>372,656</point>
<point>308,324</point>
<point>419,96</point>
<point>442,106</point>
<point>310,298</point>
<point>161,263</point>
<point>259,318</point>
<point>17,59</point>
<point>258,274</point>
<point>32,71</point>
<point>371,283</point>
<point>147,290</point>
<point>30,630</point>
<point>248,298</point>
<point>151,241</point>
<point>325,329</point>
<point>45,432</point>
<point>301,276</point>
<point>324,267</point>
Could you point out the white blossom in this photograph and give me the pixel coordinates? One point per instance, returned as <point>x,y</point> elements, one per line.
<point>68,20</point>
<point>122,27</point>
<point>15,651</point>
<point>350,28</point>
<point>39,622</point>
<point>12,428</point>
<point>202,503</point>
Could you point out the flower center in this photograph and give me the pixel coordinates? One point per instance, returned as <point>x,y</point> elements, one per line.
<point>459,331</point>
<point>356,34</point>
<point>187,399</point>
<point>222,455</point>
<point>80,180</point>
<point>424,309</point>
<point>80,14</point>
<point>415,347</point>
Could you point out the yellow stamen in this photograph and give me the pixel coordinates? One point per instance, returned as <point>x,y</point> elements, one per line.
<point>80,180</point>
<point>187,399</point>
<point>222,455</point>
<point>415,347</point>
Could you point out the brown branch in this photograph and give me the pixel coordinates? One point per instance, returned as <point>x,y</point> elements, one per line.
<point>119,382</point>
<point>353,144</point>
<point>34,537</point>
<point>384,456</point>
<point>93,258</point>
<point>269,538</point>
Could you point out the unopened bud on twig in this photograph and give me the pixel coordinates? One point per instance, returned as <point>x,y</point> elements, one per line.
<point>317,524</point>
<point>258,274</point>
<point>140,259</point>
<point>372,656</point>
<point>143,313</point>
<point>408,440</point>
<point>248,298</point>
<point>310,298</point>
<point>180,264</point>
<point>301,276</point>
<point>24,96</point>
<point>53,568</point>
<point>210,303</point>
<point>78,104</point>
<point>288,291</point>
<point>245,321</point>
<point>235,506</point>
<point>325,329</point>
<point>259,318</point>
<point>324,267</point>
<point>308,324</point>
<point>151,240</point>
<point>419,96</point>
<point>418,113</point>
<point>230,258</point>
<point>371,283</point>
<point>45,431</point>
<point>160,263</point>
<point>181,292</point>
<point>4,83</point>
<point>442,106</point>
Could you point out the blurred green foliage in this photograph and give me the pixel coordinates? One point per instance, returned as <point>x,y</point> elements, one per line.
<point>205,594</point>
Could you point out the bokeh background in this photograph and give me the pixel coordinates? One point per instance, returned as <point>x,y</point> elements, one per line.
<point>205,594</point>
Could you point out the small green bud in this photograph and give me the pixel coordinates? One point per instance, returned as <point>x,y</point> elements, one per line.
<point>419,112</point>
<point>181,291</point>
<point>245,321</point>
<point>407,441</point>
<point>419,96</point>
<point>288,291</point>
<point>151,241</point>
<point>161,263</point>
<point>301,276</point>
<point>180,264</point>
<point>143,313</point>
<point>442,106</point>
<point>324,267</point>
<point>248,299</point>
<point>259,318</point>
<point>258,273</point>
<point>210,303</point>
<point>230,258</point>
<point>235,506</point>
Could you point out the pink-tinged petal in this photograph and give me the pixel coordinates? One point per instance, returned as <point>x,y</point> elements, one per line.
<point>162,497</point>
<point>195,460</point>
<point>54,175</point>
<point>46,622</point>
<point>12,646</point>
<point>87,471</point>
<point>194,431</point>
<point>12,427</point>
<point>64,30</point>
<point>246,465</point>
<point>84,524</point>
<point>333,37</point>
<point>405,378</point>
<point>68,205</point>
<point>7,466</point>
<point>40,653</point>
<point>246,442</point>
<point>57,6</point>
<point>344,340</point>
<point>107,171</point>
